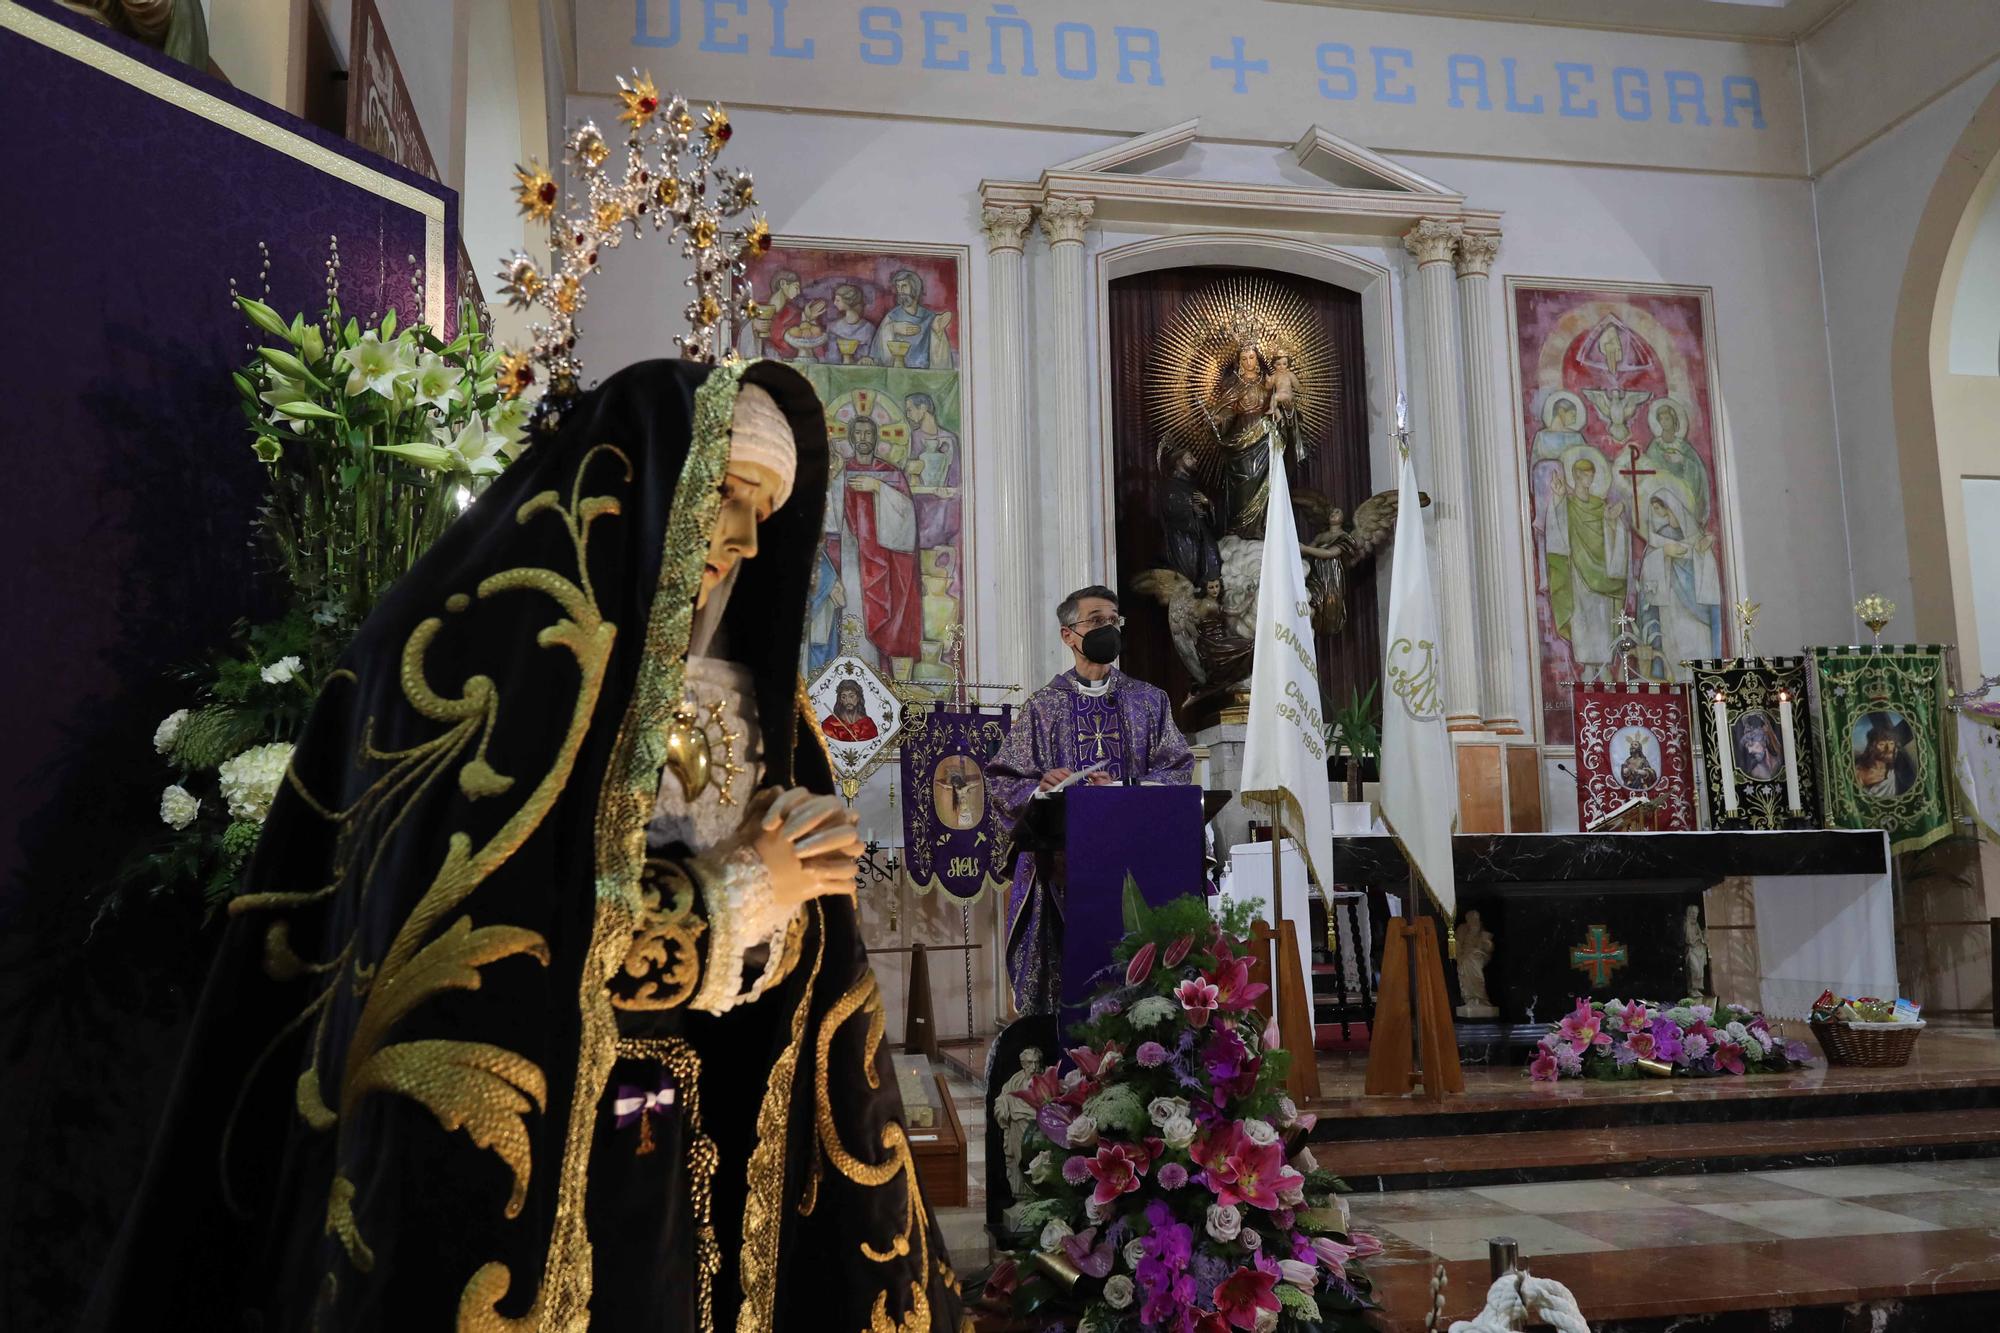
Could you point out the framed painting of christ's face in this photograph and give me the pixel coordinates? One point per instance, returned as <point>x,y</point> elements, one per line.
<point>1626,488</point>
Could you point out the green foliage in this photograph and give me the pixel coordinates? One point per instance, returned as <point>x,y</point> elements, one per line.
<point>1297,1302</point>
<point>214,734</point>
<point>1357,725</point>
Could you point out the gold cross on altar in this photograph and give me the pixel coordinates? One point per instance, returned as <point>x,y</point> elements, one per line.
<point>1096,737</point>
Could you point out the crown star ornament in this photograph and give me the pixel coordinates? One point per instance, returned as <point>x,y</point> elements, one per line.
<point>667,177</point>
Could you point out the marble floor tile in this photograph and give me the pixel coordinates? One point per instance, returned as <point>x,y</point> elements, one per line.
<point>1947,1207</point>
<point>1803,1219</point>
<point>1573,1196</point>
<point>1418,1205</point>
<point>1852,1182</point>
<point>1660,1228</point>
<point>1466,1237</point>
<point>1970,1171</point>
<point>1721,1187</point>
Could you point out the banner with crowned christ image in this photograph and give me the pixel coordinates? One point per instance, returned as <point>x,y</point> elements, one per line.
<point>1633,743</point>
<point>952,835</point>
<point>1760,766</point>
<point>1882,740</point>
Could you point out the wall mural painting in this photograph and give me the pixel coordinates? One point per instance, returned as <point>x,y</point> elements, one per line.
<point>1616,393</point>
<point>880,333</point>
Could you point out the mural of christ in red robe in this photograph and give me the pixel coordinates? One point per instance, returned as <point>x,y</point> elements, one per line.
<point>878,546</point>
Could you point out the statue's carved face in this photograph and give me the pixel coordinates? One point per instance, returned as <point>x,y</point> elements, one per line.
<point>1212,588</point>
<point>1031,1060</point>
<point>749,495</point>
<point>1247,365</point>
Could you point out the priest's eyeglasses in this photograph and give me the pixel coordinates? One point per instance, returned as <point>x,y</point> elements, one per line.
<point>1098,621</point>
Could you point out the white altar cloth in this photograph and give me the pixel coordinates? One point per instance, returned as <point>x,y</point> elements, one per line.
<point>1824,932</point>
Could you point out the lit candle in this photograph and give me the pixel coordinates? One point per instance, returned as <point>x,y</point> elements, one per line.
<point>1791,751</point>
<point>1402,413</point>
<point>1723,755</point>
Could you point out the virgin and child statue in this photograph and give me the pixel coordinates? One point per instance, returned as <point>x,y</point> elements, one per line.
<point>1254,414</point>
<point>546,1006</point>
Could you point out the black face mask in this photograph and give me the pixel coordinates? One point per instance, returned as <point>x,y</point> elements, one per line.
<point>1101,645</point>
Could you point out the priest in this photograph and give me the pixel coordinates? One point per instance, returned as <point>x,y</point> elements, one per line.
<point>1092,716</point>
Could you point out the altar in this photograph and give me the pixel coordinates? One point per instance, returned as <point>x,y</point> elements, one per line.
<point>1625,914</point>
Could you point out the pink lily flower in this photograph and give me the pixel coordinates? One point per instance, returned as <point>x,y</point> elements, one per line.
<point>1141,965</point>
<point>1198,999</point>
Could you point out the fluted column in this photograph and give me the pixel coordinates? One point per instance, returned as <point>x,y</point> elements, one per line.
<point>1433,242</point>
<point>1005,443</point>
<point>1064,464</point>
<point>1494,517</point>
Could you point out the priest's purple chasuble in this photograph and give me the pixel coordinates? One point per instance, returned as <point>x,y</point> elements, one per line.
<point>1129,727</point>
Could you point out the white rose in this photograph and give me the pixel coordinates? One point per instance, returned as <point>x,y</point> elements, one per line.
<point>1096,1212</point>
<point>1052,1235</point>
<point>1303,1160</point>
<point>1299,1274</point>
<point>1178,1132</point>
<point>1267,1321</point>
<point>1288,1112</point>
<point>1224,1222</point>
<point>282,670</point>
<point>251,779</point>
<point>1163,1109</point>
<point>1258,1132</point>
<point>1135,1250</point>
<point>178,807</point>
<point>1072,1078</point>
<point>1293,1195</point>
<point>1251,1240</point>
<point>1082,1132</point>
<point>1118,1292</point>
<point>170,727</point>
<point>1043,1169</point>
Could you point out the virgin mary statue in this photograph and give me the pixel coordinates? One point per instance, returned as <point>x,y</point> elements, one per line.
<point>546,1007</point>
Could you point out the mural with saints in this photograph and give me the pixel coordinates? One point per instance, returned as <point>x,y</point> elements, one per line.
<point>880,333</point>
<point>1625,502</point>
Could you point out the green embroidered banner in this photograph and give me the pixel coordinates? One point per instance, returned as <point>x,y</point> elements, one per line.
<point>1882,740</point>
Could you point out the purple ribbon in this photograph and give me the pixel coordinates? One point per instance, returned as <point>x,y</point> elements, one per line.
<point>632,1103</point>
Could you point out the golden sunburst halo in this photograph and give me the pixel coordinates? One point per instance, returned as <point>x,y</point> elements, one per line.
<point>641,99</point>
<point>535,191</point>
<point>517,373</point>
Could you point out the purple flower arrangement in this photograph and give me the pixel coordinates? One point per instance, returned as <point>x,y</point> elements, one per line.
<point>1630,1038</point>
<point>1170,1189</point>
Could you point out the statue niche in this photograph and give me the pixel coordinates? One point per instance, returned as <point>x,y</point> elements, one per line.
<point>1242,374</point>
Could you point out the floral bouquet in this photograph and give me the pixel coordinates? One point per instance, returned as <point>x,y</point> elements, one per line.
<point>1169,1184</point>
<point>1621,1039</point>
<point>374,440</point>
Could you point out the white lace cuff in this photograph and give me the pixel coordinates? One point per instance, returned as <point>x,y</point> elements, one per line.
<point>742,916</point>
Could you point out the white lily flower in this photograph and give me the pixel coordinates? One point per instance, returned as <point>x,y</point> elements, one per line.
<point>436,382</point>
<point>373,366</point>
<point>280,392</point>
<point>474,449</point>
<point>282,670</point>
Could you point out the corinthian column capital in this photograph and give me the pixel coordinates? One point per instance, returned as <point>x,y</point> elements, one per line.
<point>1066,219</point>
<point>1476,250</point>
<point>1006,226</point>
<point>1433,240</point>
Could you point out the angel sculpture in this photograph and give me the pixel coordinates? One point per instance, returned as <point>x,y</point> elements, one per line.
<point>1205,638</point>
<point>1338,546</point>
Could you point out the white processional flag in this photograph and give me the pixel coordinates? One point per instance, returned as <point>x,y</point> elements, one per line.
<point>1419,782</point>
<point>1284,750</point>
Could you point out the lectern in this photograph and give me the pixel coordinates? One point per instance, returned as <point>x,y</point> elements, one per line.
<point>1152,834</point>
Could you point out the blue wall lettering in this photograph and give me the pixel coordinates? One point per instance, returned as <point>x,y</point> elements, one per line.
<point>1631,93</point>
<point>1339,83</point>
<point>1468,74</point>
<point>1064,65</point>
<point>803,51</point>
<point>1684,90</point>
<point>642,35</point>
<point>1239,65</point>
<point>1006,16</point>
<point>935,36</point>
<point>1740,93</point>
<point>715,24</point>
<point>1514,102</point>
<point>1384,57</point>
<point>882,25</point>
<point>1571,80</point>
<point>1136,45</point>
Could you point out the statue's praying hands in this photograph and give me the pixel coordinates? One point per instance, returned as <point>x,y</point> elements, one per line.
<point>808,844</point>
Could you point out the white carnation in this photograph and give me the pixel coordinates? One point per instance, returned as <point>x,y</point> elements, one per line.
<point>1258,1132</point>
<point>1224,1221</point>
<point>1052,1236</point>
<point>250,780</point>
<point>282,670</point>
<point>1163,1109</point>
<point>178,807</point>
<point>1135,1250</point>
<point>1118,1292</point>
<point>1178,1132</point>
<point>170,727</point>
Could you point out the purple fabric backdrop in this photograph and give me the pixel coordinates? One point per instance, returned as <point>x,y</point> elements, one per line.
<point>1150,833</point>
<point>125,550</point>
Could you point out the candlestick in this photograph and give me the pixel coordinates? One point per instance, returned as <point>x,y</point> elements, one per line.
<point>1402,415</point>
<point>1724,757</point>
<point>1791,752</point>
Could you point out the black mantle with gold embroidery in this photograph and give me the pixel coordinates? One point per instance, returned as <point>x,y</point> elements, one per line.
<point>432,1084</point>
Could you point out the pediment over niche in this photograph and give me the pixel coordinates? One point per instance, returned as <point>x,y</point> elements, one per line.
<point>1171,175</point>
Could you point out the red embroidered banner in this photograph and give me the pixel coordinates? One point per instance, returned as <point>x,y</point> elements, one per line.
<point>1632,743</point>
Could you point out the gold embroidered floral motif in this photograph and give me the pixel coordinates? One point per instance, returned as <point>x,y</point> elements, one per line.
<point>662,967</point>
<point>865,996</point>
<point>763,1212</point>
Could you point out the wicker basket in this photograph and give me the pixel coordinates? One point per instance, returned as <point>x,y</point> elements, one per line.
<point>1876,1046</point>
